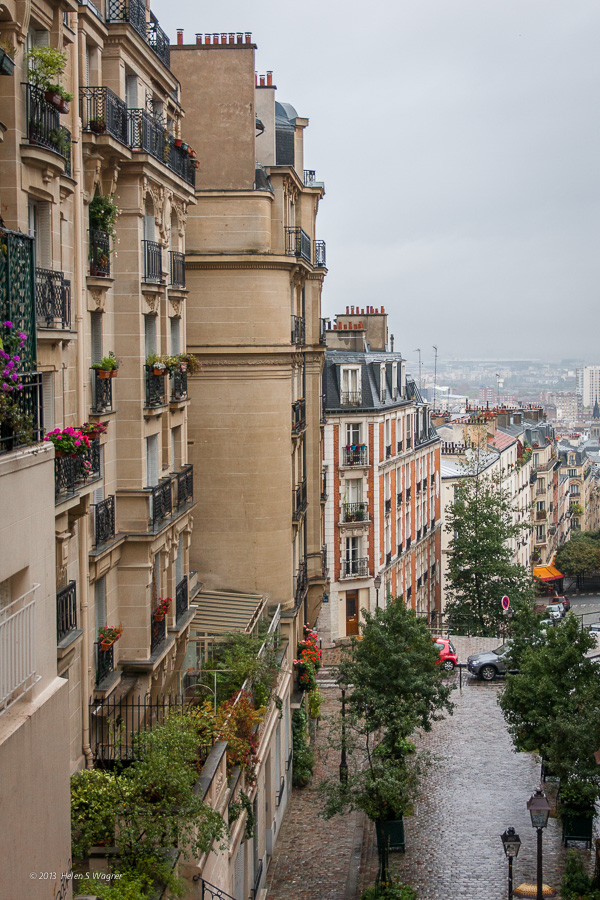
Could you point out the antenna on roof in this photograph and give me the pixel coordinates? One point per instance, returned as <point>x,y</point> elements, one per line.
<point>434,376</point>
<point>418,350</point>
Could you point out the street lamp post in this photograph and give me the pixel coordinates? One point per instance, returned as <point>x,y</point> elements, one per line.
<point>343,761</point>
<point>512,844</point>
<point>539,810</point>
<point>377,583</point>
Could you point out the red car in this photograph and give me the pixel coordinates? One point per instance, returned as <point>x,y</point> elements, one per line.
<point>448,658</point>
<point>564,600</point>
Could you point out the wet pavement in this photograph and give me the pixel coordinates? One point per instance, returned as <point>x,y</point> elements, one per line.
<point>476,787</point>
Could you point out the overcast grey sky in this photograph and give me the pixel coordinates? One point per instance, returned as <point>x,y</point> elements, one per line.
<point>459,145</point>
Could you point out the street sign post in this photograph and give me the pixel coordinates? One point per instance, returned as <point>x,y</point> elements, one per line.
<point>505,602</point>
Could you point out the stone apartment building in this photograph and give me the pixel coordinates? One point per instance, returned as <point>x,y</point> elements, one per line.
<point>381,479</point>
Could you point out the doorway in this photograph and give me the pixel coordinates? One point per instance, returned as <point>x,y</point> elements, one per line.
<point>351,612</point>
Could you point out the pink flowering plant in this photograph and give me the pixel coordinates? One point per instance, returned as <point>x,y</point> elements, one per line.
<point>13,419</point>
<point>308,662</point>
<point>71,441</point>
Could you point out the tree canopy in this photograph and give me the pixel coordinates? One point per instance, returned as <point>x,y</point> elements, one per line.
<point>580,555</point>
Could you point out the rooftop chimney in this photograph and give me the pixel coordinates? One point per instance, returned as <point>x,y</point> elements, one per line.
<point>269,78</point>
<point>180,36</point>
<point>198,39</point>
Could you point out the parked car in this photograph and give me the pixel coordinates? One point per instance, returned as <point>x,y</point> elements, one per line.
<point>564,600</point>
<point>555,611</point>
<point>595,628</point>
<point>489,664</point>
<point>448,658</point>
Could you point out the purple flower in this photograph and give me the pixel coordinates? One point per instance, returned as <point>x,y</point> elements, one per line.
<point>4,386</point>
<point>7,324</point>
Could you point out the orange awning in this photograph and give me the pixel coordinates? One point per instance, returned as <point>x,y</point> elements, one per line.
<point>547,573</point>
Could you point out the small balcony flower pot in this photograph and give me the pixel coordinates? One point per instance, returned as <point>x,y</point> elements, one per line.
<point>178,142</point>
<point>104,373</point>
<point>106,645</point>
<point>159,616</point>
<point>113,373</point>
<point>63,107</point>
<point>53,99</point>
<point>158,371</point>
<point>98,126</point>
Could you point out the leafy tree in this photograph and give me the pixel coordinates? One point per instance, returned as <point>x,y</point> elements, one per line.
<point>480,567</point>
<point>236,659</point>
<point>579,556</point>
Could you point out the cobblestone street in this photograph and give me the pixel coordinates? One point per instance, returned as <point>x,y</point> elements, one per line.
<point>476,787</point>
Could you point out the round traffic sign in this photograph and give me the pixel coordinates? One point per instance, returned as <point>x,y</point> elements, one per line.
<point>505,602</point>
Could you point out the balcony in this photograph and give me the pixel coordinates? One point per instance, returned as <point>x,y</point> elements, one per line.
<point>323,487</point>
<point>105,662</point>
<point>388,558</point>
<point>185,486</point>
<point>355,512</point>
<point>298,331</point>
<point>399,498</point>
<point>408,492</point>
<point>400,549</point>
<point>301,584</point>
<point>99,253</point>
<point>147,134</point>
<point>102,398</point>
<point>26,425</point>
<point>299,501</point>
<point>297,243</point>
<point>355,568</point>
<point>418,535</point>
<point>152,261</point>
<point>399,450</point>
<point>17,649</point>
<point>408,443</point>
<point>44,128</point>
<point>176,269</point>
<point>181,598</point>
<point>388,451</point>
<point>408,543</point>
<point>66,611</point>
<point>320,255</point>
<point>298,416</point>
<point>71,473</point>
<point>158,41</point>
<point>540,514</point>
<point>52,300</point>
<point>104,520</point>
<point>351,398</point>
<point>103,112</point>
<point>178,381</point>
<point>388,506</point>
<point>155,389</point>
<point>161,502</point>
<point>134,12</point>
<point>355,456</point>
<point>322,331</point>
<point>310,179</point>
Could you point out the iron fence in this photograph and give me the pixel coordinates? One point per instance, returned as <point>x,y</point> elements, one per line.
<point>301,585</point>
<point>66,610</point>
<point>43,125</point>
<point>320,255</point>
<point>185,486</point>
<point>210,892</point>
<point>162,501</point>
<point>132,11</point>
<point>17,289</point>
<point>181,598</point>
<point>298,332</point>
<point>148,134</point>
<point>103,112</point>
<point>176,269</point>
<point>105,662</point>
<point>178,381</point>
<point>297,243</point>
<point>116,723</point>
<point>155,388</point>
<point>102,399</point>
<point>351,398</point>
<point>52,299</point>
<point>26,427</point>
<point>152,261</point>
<point>158,41</point>
<point>354,512</point>
<point>158,632</point>
<point>355,568</point>
<point>71,473</point>
<point>104,520</point>
<point>99,253</point>
<point>300,502</point>
<point>355,456</point>
<point>298,416</point>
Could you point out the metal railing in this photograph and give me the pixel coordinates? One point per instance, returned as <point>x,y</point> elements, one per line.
<point>299,499</point>
<point>322,331</point>
<point>298,416</point>
<point>355,456</point>
<point>388,506</point>
<point>257,881</point>
<point>147,134</point>
<point>134,715</point>
<point>103,112</point>
<point>399,498</point>
<point>152,261</point>
<point>158,632</point>
<point>210,892</point>
<point>355,512</point>
<point>355,568</point>
<point>323,486</point>
<point>104,520</point>
<point>178,380</point>
<point>66,611</point>
<point>71,473</point>
<point>351,398</point>
<point>279,794</point>
<point>185,485</point>
<point>105,662</point>
<point>52,299</point>
<point>298,331</point>
<point>155,388</point>
<point>176,269</point>
<point>43,125</point>
<point>181,598</point>
<point>399,447</point>
<point>158,41</point>
<point>99,253</point>
<point>102,399</point>
<point>400,549</point>
<point>297,243</point>
<point>17,649</point>
<point>388,557</point>
<point>408,493</point>
<point>320,255</point>
<point>132,11</point>
<point>324,566</point>
<point>29,408</point>
<point>388,451</point>
<point>161,501</point>
<point>301,583</point>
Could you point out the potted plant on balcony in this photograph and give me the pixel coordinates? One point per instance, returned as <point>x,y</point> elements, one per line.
<point>162,609</point>
<point>64,98</point>
<point>7,56</point>
<point>108,366</point>
<point>97,125</point>
<point>158,363</point>
<point>68,441</point>
<point>108,635</point>
<point>103,211</point>
<point>59,138</point>
<point>45,65</point>
<point>93,430</point>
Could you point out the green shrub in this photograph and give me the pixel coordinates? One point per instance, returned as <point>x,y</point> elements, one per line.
<point>576,884</point>
<point>304,759</point>
<point>119,887</point>
<point>391,891</point>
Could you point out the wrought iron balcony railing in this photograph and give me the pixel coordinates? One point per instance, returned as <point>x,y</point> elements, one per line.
<point>298,331</point>
<point>355,456</point>
<point>399,498</point>
<point>388,558</point>
<point>104,520</point>
<point>155,389</point>
<point>147,134</point>
<point>52,299</point>
<point>322,331</point>
<point>66,611</point>
<point>132,11</point>
<point>181,598</point>
<point>298,416</point>
<point>320,255</point>
<point>301,583</point>
<point>27,425</point>
<point>103,112</point>
<point>43,125</point>
<point>178,381</point>
<point>72,473</point>
<point>400,549</point>
<point>152,261</point>
<point>17,289</point>
<point>158,632</point>
<point>300,502</point>
<point>351,398</point>
<point>323,487</point>
<point>355,512</point>
<point>297,243</point>
<point>161,501</point>
<point>310,179</point>
<point>399,448</point>
<point>408,493</point>
<point>355,568</point>
<point>388,506</point>
<point>102,398</point>
<point>388,451</point>
<point>99,253</point>
<point>185,486</point>
<point>158,41</point>
<point>105,662</point>
<point>176,269</point>
<point>325,568</point>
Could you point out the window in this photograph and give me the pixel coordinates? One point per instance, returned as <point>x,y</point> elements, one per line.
<point>48,395</point>
<point>394,380</point>
<point>152,460</point>
<point>572,473</point>
<point>352,549</point>
<point>150,334</point>
<point>536,460</point>
<point>353,433</point>
<point>540,533</point>
<point>96,336</point>
<point>100,602</point>
<point>179,560</point>
<point>175,336</point>
<point>351,387</point>
<point>40,229</point>
<point>540,505</point>
<point>353,490</point>
<point>131,89</point>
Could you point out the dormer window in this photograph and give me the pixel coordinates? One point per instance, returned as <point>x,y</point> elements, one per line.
<point>351,392</point>
<point>382,383</point>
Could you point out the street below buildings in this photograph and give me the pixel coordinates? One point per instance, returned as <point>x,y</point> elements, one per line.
<point>476,787</point>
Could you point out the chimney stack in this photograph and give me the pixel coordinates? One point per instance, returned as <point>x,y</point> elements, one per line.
<point>179,36</point>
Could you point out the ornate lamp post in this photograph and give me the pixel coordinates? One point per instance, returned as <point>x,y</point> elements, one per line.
<point>512,844</point>
<point>539,810</point>
<point>377,584</point>
<point>343,761</point>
